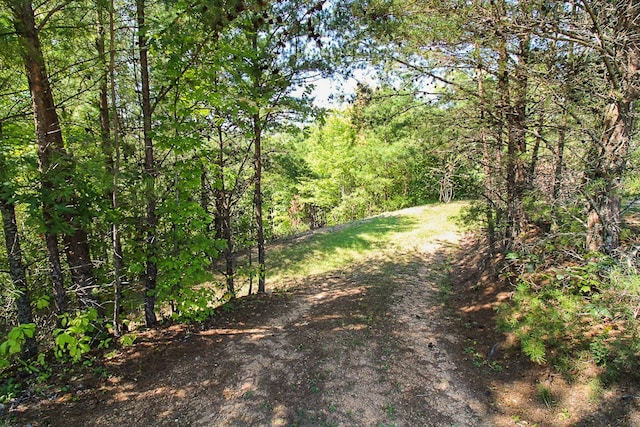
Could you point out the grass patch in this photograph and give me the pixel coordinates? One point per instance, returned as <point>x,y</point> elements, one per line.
<point>338,247</point>
<point>546,396</point>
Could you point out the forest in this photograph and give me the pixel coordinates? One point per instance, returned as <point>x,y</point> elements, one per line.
<point>145,145</point>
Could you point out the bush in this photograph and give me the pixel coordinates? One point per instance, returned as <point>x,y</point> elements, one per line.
<point>16,338</point>
<point>79,331</point>
<point>564,313</point>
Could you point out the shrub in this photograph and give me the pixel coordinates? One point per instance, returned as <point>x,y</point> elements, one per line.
<point>78,332</point>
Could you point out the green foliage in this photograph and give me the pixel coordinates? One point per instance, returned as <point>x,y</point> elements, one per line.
<point>127,340</point>
<point>382,154</point>
<point>194,304</point>
<point>12,345</point>
<point>336,248</point>
<point>10,390</point>
<point>546,396</point>
<point>563,314</point>
<point>544,318</point>
<point>79,331</point>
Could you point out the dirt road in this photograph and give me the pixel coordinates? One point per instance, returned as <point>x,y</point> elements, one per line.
<point>369,345</point>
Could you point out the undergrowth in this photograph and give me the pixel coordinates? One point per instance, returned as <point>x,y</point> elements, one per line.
<point>568,307</point>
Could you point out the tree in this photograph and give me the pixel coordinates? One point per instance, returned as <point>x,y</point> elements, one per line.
<point>151,219</point>
<point>616,40</point>
<point>271,56</point>
<point>59,206</point>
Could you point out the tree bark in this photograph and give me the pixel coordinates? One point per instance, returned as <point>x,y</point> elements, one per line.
<point>109,125</point>
<point>257,200</point>
<point>151,221</point>
<point>517,145</point>
<point>559,158</point>
<point>535,151</point>
<point>56,166</point>
<point>608,156</point>
<point>487,157</point>
<point>604,176</point>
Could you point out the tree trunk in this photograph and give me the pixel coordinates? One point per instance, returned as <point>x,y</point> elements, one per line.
<point>517,145</point>
<point>151,222</point>
<point>17,269</point>
<point>609,153</point>
<point>257,200</point>
<point>257,163</point>
<point>110,146</point>
<point>223,217</point>
<point>535,152</point>
<point>487,157</point>
<point>56,166</point>
<point>604,176</point>
<point>57,278</point>
<point>559,159</point>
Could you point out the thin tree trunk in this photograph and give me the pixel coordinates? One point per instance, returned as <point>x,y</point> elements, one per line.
<point>559,160</point>
<point>535,152</point>
<point>57,278</point>
<point>14,254</point>
<point>110,146</point>
<point>257,201</point>
<point>257,162</point>
<point>501,124</point>
<point>56,166</point>
<point>223,219</point>
<point>487,158</point>
<point>118,262</point>
<point>151,222</point>
<point>609,153</point>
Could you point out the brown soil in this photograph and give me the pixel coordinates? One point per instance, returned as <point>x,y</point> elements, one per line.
<point>406,339</point>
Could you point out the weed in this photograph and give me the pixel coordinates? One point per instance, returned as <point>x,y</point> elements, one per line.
<point>564,414</point>
<point>16,338</point>
<point>127,340</point>
<point>10,390</point>
<point>390,410</point>
<point>596,390</point>
<point>496,366</point>
<point>265,406</point>
<point>545,396</point>
<point>599,349</point>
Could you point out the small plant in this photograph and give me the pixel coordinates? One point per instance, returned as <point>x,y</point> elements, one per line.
<point>390,410</point>
<point>496,366</point>
<point>599,349</point>
<point>9,390</point>
<point>564,414</point>
<point>193,304</point>
<point>78,331</point>
<point>14,342</point>
<point>596,390</point>
<point>127,340</point>
<point>545,395</point>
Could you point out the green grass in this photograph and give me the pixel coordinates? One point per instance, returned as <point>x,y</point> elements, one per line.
<point>338,247</point>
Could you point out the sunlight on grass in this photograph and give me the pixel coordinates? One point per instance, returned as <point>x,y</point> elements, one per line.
<point>334,248</point>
